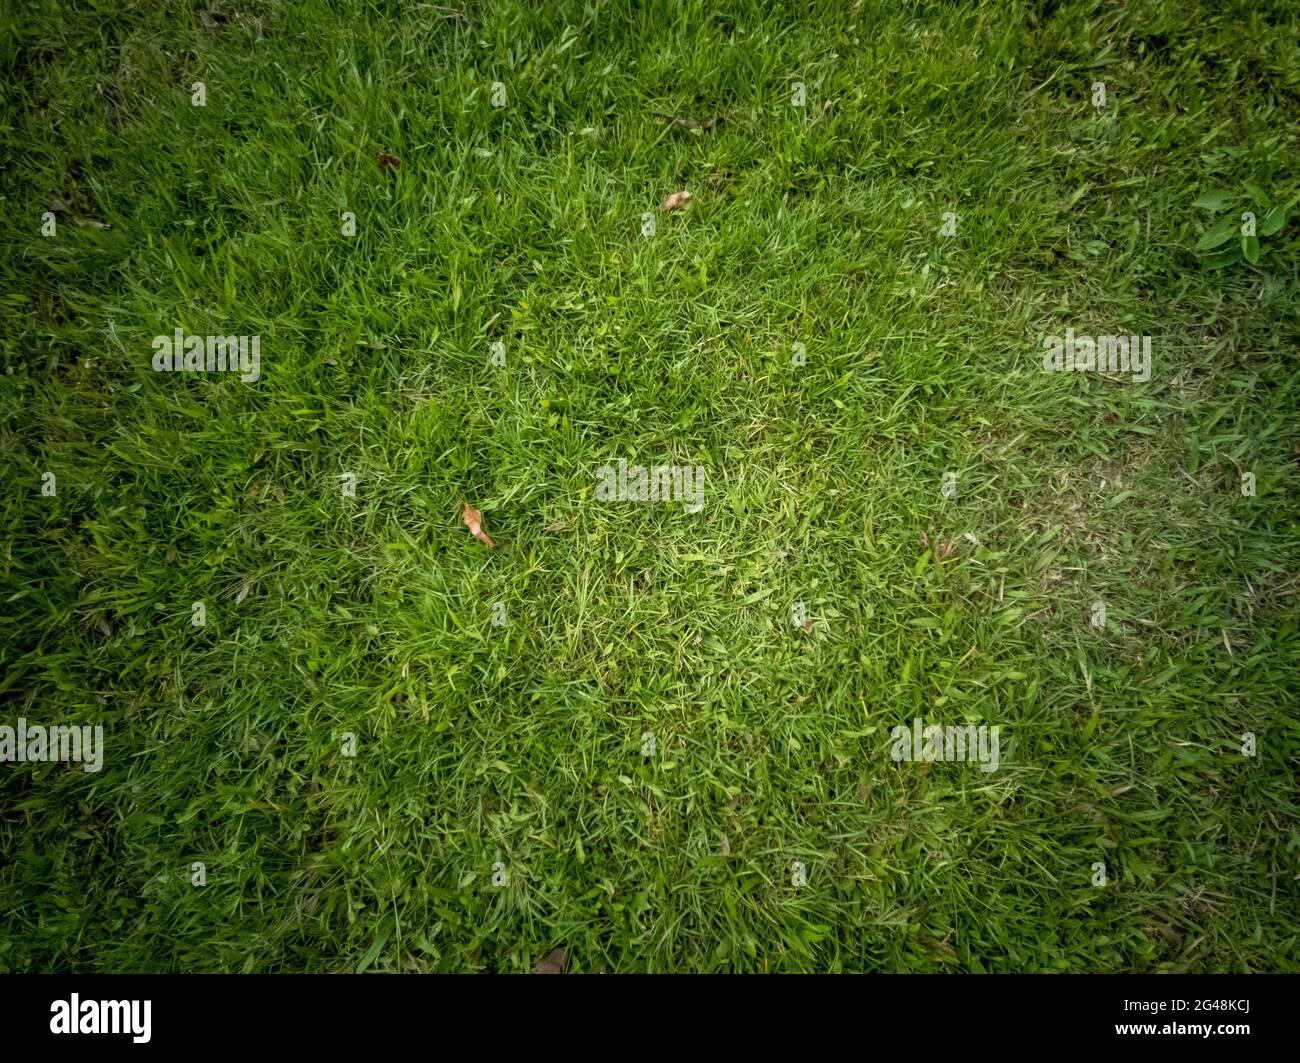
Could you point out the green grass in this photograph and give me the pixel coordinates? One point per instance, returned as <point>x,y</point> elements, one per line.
<point>522,745</point>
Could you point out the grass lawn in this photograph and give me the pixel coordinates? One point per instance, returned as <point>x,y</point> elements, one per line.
<point>658,739</point>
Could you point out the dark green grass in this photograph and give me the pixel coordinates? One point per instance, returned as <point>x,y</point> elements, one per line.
<point>522,745</point>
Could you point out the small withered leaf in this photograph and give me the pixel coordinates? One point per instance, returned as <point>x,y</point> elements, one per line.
<point>388,162</point>
<point>474,522</point>
<point>553,963</point>
<point>676,201</point>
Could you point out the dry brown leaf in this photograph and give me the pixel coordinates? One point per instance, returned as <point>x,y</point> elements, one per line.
<point>807,625</point>
<point>474,522</point>
<point>945,951</point>
<point>676,201</point>
<point>553,963</point>
<point>388,162</point>
<point>726,844</point>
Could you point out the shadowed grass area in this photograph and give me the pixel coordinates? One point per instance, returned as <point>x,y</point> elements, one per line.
<point>499,803</point>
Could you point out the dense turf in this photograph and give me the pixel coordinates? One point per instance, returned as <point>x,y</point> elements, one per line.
<point>522,745</point>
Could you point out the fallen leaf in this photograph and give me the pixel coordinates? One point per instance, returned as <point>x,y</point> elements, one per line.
<point>676,201</point>
<point>474,522</point>
<point>1166,931</point>
<point>807,625</point>
<point>726,844</point>
<point>243,593</point>
<point>945,951</point>
<point>553,963</point>
<point>89,223</point>
<point>388,162</point>
<point>925,539</point>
